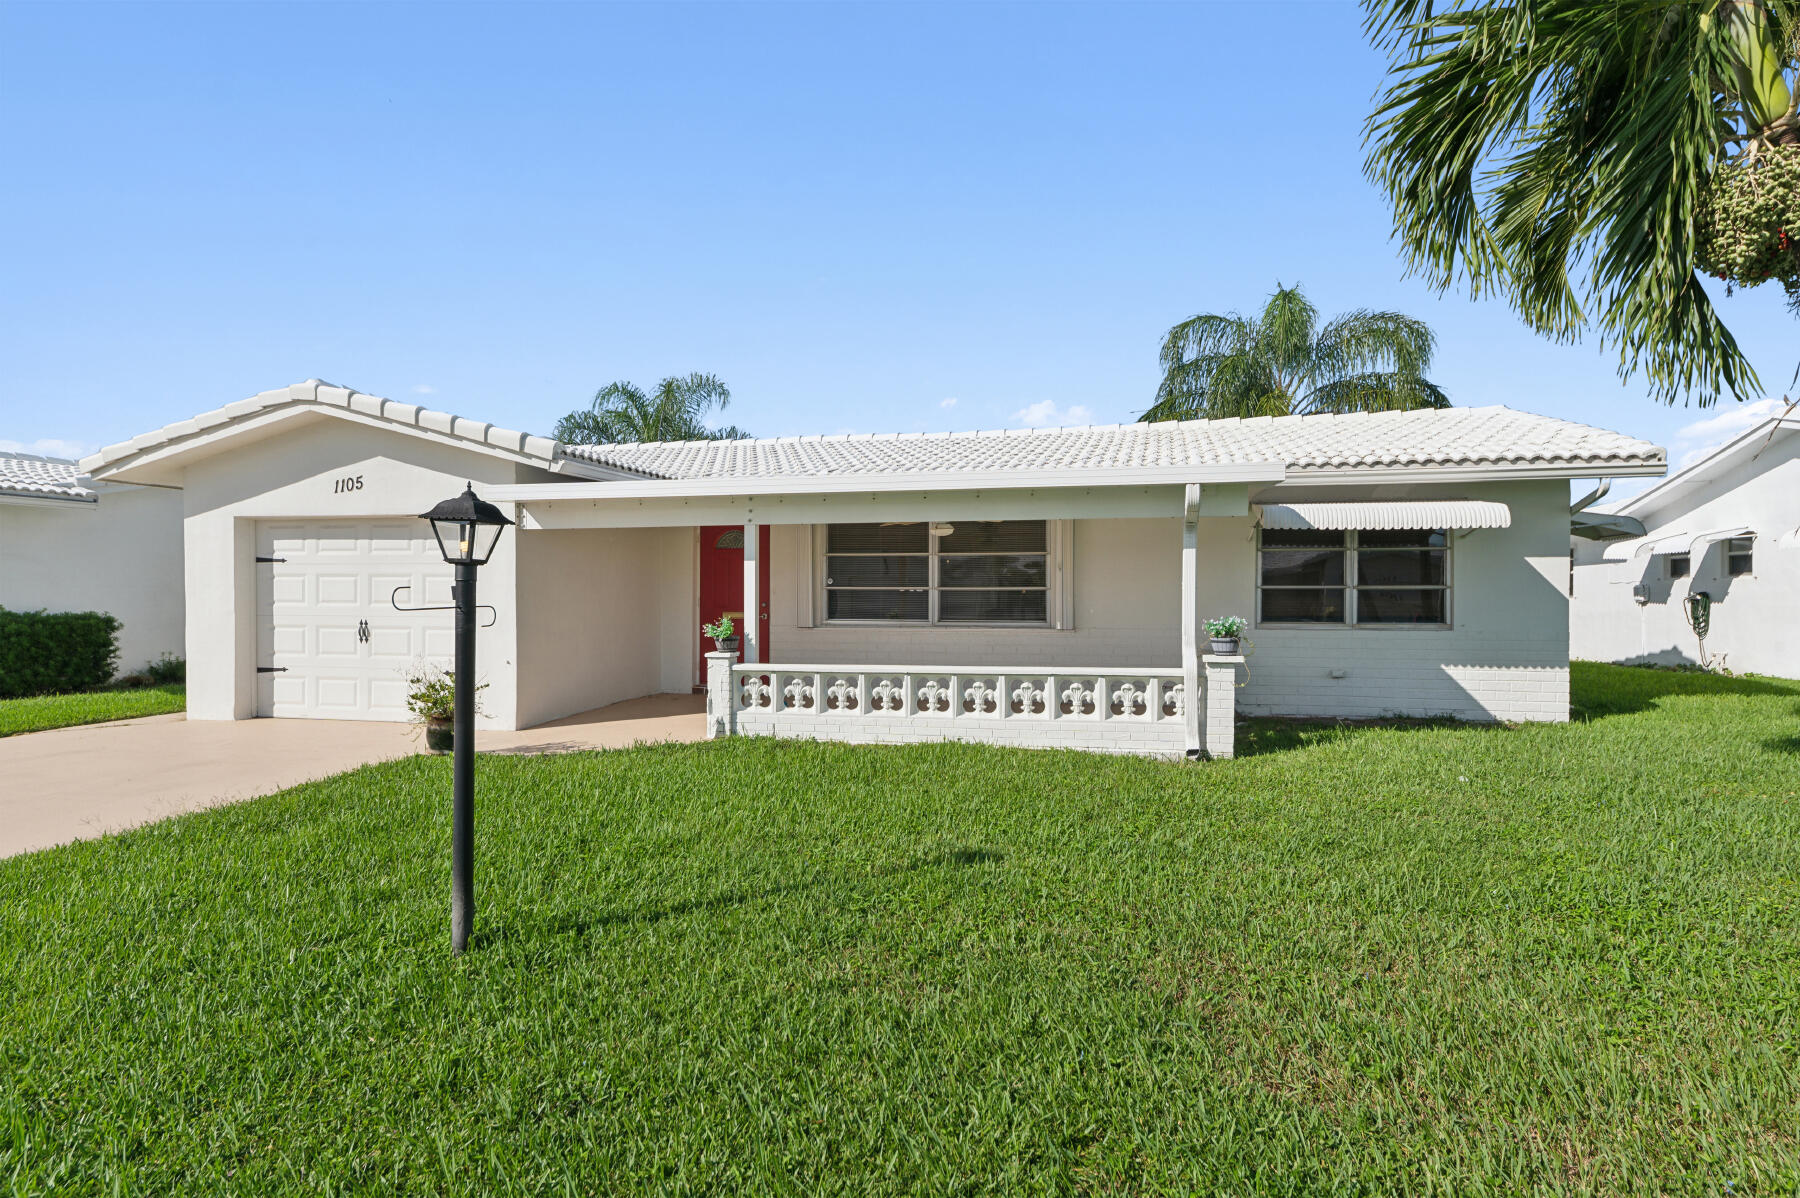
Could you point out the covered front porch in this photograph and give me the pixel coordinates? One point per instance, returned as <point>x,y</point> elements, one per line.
<point>1089,638</point>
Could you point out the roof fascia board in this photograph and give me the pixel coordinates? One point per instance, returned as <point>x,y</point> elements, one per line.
<point>934,481</point>
<point>268,417</point>
<point>1050,503</point>
<point>1694,475</point>
<point>1347,475</point>
<point>42,499</point>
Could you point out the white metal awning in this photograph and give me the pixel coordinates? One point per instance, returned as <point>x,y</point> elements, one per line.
<point>1690,543</point>
<point>1388,514</point>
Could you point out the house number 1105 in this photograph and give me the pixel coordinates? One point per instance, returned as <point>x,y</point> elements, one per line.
<point>351,483</point>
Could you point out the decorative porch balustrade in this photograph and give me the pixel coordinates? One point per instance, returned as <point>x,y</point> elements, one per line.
<point>1111,710</point>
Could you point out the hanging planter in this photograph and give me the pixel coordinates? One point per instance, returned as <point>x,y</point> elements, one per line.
<point>1749,220</point>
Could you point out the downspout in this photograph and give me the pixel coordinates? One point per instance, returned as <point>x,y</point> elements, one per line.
<point>1592,497</point>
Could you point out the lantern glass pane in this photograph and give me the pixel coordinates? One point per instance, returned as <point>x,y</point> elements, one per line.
<point>447,532</point>
<point>483,539</point>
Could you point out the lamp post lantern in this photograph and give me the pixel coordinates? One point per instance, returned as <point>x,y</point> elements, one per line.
<point>467,530</point>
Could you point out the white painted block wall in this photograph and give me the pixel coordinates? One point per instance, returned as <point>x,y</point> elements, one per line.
<point>1506,657</point>
<point>1754,629</point>
<point>120,554</point>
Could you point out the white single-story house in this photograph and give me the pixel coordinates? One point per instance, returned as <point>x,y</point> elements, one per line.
<point>1039,586</point>
<point>71,543</point>
<point>1727,526</point>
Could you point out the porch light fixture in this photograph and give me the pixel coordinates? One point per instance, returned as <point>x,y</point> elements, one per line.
<point>467,530</point>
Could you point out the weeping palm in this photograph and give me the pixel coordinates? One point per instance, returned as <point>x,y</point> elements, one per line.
<point>675,411</point>
<point>1282,363</point>
<point>1582,159</point>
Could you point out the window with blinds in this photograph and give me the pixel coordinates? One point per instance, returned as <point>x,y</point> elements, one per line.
<point>1367,578</point>
<point>970,572</point>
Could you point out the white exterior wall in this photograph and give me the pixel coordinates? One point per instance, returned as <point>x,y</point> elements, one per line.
<point>1753,626</point>
<point>1126,576</point>
<point>120,554</point>
<point>604,615</point>
<point>1505,658</point>
<point>290,473</point>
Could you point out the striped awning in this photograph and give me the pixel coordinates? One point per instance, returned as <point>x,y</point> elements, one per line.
<point>1690,543</point>
<point>1388,514</point>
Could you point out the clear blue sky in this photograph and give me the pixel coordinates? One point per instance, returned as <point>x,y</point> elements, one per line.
<point>855,214</point>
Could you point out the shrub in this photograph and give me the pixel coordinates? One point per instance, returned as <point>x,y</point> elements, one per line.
<point>166,670</point>
<point>50,652</point>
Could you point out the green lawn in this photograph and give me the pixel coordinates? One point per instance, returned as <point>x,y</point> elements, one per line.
<point>1432,960</point>
<point>41,712</point>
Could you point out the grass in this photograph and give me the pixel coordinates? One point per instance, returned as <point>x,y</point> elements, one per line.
<point>41,712</point>
<point>1427,960</point>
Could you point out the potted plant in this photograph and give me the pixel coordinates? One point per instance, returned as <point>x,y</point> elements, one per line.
<point>723,633</point>
<point>431,697</point>
<point>1225,632</point>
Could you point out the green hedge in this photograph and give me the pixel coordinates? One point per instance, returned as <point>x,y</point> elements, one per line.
<point>45,653</point>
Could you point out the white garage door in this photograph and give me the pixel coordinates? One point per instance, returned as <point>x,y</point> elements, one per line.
<point>325,624</point>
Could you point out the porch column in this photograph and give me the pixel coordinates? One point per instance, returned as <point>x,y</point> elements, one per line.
<point>1190,622</point>
<point>752,593</point>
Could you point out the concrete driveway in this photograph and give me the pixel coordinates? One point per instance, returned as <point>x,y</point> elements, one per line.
<point>75,783</point>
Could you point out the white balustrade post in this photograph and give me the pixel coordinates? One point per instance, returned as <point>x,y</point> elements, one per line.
<point>721,702</point>
<point>1221,705</point>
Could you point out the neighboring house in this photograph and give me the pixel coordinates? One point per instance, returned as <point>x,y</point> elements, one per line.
<point>1040,586</point>
<point>68,543</point>
<point>1729,526</point>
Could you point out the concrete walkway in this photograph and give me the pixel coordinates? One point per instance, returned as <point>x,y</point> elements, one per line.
<point>75,783</point>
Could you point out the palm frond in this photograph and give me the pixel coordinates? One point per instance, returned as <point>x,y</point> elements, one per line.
<point>622,412</point>
<point>1374,391</point>
<point>1556,152</point>
<point>1218,367</point>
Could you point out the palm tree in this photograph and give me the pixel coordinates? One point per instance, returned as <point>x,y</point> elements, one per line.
<point>675,411</point>
<point>1583,159</point>
<point>1282,363</point>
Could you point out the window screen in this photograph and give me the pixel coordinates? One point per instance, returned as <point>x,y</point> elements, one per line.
<point>1371,577</point>
<point>969,572</point>
<point>1738,555</point>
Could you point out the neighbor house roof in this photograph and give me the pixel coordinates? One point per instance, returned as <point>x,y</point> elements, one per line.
<point>315,396</point>
<point>33,477</point>
<point>1374,441</point>
<point>1735,457</point>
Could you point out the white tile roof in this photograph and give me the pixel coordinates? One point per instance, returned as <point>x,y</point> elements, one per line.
<point>37,477</point>
<point>317,394</point>
<point>1450,437</point>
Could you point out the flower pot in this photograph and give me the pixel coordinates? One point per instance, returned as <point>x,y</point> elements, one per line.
<point>1225,646</point>
<point>440,735</point>
<point>727,644</point>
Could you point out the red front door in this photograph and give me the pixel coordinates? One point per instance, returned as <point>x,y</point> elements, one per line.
<point>722,582</point>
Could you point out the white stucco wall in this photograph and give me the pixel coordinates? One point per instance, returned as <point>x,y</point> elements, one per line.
<point>121,554</point>
<point>1753,626</point>
<point>604,615</point>
<point>1506,656</point>
<point>289,473</point>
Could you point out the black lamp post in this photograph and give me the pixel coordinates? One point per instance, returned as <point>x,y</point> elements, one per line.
<point>467,530</point>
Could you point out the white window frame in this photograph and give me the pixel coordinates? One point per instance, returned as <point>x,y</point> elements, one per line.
<point>1748,550</point>
<point>1349,622</point>
<point>1059,603</point>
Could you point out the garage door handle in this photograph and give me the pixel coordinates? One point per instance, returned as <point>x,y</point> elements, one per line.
<point>271,669</point>
<point>362,632</point>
